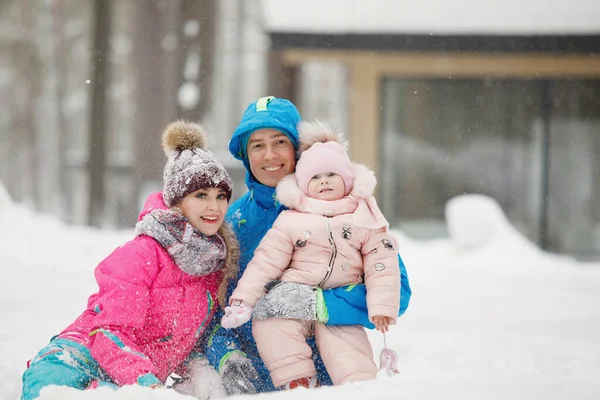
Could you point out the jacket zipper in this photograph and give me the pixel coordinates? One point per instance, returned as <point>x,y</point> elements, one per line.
<point>333,251</point>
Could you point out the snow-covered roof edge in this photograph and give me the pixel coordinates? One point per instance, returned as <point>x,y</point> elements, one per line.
<point>439,17</point>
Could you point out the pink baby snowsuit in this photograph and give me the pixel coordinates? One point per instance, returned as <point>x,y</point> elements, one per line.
<point>327,244</point>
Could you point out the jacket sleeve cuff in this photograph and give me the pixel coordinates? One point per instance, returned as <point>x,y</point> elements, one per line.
<point>226,357</point>
<point>322,313</point>
<point>347,305</point>
<point>383,310</point>
<point>149,380</point>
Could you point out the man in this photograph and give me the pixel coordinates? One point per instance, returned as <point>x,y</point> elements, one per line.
<point>266,141</point>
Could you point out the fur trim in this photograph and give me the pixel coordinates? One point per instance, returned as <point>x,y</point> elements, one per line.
<point>364,181</point>
<point>182,135</point>
<point>315,132</point>
<point>230,269</point>
<point>290,195</point>
<point>288,192</point>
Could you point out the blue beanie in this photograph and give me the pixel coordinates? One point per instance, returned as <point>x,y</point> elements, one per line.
<point>266,112</point>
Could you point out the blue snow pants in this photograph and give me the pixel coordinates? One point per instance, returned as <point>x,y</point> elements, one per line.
<point>62,362</point>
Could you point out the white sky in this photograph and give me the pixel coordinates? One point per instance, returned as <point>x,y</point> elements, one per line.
<point>492,317</point>
<point>451,17</point>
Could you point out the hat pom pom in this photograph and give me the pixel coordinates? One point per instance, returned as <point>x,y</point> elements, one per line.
<point>318,132</point>
<point>181,135</point>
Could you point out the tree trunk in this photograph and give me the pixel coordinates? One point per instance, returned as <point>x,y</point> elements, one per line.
<point>60,60</point>
<point>196,52</point>
<point>99,83</point>
<point>153,95</point>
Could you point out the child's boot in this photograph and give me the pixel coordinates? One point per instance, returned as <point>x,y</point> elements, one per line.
<point>309,383</point>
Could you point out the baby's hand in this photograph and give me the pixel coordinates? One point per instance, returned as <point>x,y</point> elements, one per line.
<point>382,323</point>
<point>237,314</point>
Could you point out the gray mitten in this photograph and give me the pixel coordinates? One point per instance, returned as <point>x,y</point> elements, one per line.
<point>237,375</point>
<point>287,300</point>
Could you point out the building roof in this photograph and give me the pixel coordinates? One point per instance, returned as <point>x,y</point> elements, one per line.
<point>434,17</point>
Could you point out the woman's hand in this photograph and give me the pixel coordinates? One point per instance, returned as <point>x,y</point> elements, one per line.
<point>382,323</point>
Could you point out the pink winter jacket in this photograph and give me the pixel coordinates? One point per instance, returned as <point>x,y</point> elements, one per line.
<point>147,314</point>
<point>326,251</point>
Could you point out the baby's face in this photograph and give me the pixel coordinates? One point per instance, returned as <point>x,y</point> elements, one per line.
<point>326,186</point>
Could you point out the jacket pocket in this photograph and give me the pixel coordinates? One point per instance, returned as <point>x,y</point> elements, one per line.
<point>163,312</point>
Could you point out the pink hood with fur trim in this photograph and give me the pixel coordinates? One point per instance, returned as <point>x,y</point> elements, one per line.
<point>328,244</point>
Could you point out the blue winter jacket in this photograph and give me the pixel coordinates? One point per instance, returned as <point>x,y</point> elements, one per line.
<point>251,217</point>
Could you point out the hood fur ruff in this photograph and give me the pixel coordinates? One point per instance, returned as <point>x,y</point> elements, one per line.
<point>290,195</point>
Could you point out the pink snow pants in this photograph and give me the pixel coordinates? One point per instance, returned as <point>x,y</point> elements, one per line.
<point>345,350</point>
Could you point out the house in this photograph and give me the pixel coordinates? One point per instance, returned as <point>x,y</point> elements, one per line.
<point>443,98</point>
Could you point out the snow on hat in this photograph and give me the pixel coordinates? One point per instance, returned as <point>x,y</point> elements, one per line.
<point>322,150</point>
<point>190,166</point>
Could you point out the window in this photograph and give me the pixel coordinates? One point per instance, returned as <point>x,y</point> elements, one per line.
<point>445,137</point>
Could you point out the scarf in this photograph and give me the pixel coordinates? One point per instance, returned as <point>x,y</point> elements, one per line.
<point>193,252</point>
<point>366,213</point>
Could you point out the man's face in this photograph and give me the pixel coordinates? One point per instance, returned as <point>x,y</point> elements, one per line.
<point>271,155</point>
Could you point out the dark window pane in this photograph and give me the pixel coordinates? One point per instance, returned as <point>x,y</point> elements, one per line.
<point>574,168</point>
<point>445,137</point>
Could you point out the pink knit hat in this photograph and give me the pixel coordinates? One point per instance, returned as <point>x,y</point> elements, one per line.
<point>330,156</point>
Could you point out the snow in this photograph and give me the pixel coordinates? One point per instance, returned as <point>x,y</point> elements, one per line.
<point>492,316</point>
<point>188,95</point>
<point>192,66</point>
<point>494,17</point>
<point>191,28</point>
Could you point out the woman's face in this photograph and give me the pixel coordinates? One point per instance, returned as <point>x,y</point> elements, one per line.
<point>205,209</point>
<point>326,186</point>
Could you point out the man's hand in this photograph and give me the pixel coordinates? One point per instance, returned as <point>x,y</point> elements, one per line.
<point>237,375</point>
<point>382,323</point>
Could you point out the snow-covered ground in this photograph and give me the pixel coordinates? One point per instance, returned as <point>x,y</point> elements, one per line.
<point>492,317</point>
